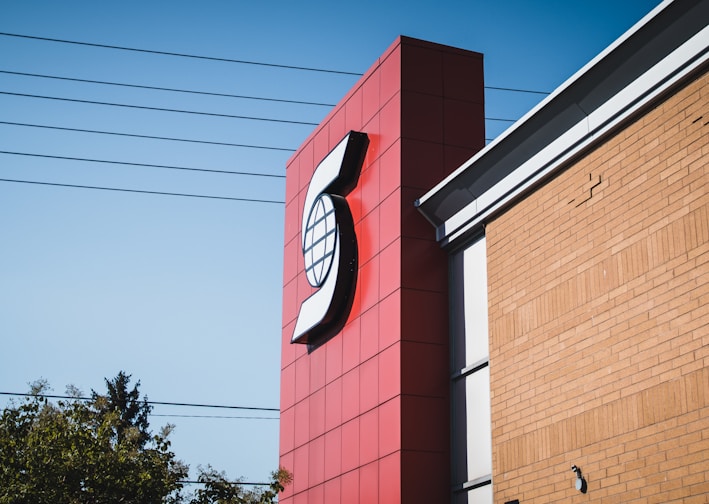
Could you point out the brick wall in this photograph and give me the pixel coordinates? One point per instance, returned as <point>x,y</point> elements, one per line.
<point>599,320</point>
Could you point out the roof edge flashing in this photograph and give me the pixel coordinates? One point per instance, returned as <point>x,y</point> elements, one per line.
<point>588,90</point>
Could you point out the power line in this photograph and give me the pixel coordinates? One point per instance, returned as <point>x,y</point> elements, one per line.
<point>138,191</point>
<point>147,165</point>
<point>225,95</point>
<point>181,111</point>
<point>500,120</point>
<point>515,90</point>
<point>174,90</point>
<point>133,135</point>
<point>181,55</point>
<point>227,60</point>
<point>217,416</point>
<point>158,109</point>
<point>161,403</point>
<point>194,482</point>
<point>193,405</point>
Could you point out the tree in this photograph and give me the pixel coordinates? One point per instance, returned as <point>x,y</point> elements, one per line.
<point>132,413</point>
<point>100,450</point>
<point>218,490</point>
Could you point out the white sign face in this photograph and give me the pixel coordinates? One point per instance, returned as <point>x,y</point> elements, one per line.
<point>329,243</point>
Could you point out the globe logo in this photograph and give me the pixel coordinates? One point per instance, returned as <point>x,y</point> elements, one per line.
<point>329,242</point>
<point>319,240</point>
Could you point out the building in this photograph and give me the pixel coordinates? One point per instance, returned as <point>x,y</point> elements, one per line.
<point>556,314</point>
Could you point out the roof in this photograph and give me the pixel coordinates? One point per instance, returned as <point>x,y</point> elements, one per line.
<point>663,49</point>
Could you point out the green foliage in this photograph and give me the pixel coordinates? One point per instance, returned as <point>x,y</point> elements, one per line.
<point>132,414</point>
<point>102,452</point>
<point>217,489</point>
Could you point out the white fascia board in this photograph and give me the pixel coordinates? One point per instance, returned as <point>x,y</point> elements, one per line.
<point>551,97</point>
<point>513,181</point>
<point>673,68</point>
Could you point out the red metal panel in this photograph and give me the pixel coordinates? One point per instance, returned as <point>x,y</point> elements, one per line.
<point>333,454</point>
<point>350,394</point>
<point>390,479</point>
<point>333,404</point>
<point>305,166</point>
<point>416,57</point>
<point>316,495</point>
<point>318,367</point>
<point>390,427</point>
<point>350,445</point>
<point>333,362</point>
<point>461,80</point>
<point>288,386</point>
<point>368,236</point>
<point>353,112</point>
<point>430,432</point>
<point>350,488</point>
<point>390,124</point>
<point>424,477</point>
<point>369,190</point>
<point>427,313</point>
<point>317,413</point>
<point>369,283</point>
<point>433,358</point>
<point>302,379</point>
<point>369,384</point>
<point>300,469</point>
<point>370,97</point>
<point>316,461</point>
<point>390,71</point>
<point>332,490</point>
<point>422,117</point>
<point>365,415</point>
<point>369,483</point>
<point>389,170</point>
<point>302,423</point>
<point>389,320</point>
<point>369,344</point>
<point>459,113</point>
<point>287,429</point>
<point>369,436</point>
<point>390,277</point>
<point>390,218</point>
<point>420,157</point>
<point>390,372</point>
<point>350,344</point>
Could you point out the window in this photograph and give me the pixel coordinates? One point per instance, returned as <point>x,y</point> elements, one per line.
<point>472,432</point>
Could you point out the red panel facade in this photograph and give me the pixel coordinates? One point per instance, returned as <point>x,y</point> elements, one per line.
<point>365,416</point>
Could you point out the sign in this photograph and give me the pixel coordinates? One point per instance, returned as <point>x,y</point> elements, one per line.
<point>329,242</point>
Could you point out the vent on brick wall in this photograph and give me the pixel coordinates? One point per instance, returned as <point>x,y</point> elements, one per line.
<point>585,192</point>
<point>699,119</point>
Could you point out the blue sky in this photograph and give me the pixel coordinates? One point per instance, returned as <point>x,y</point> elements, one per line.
<point>185,293</point>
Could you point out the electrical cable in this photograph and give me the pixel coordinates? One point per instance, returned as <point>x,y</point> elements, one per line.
<point>290,67</point>
<point>133,135</point>
<point>217,416</point>
<point>514,90</point>
<point>174,90</point>
<point>138,191</point>
<point>159,109</point>
<point>180,111</point>
<point>194,482</point>
<point>147,165</point>
<point>162,403</point>
<point>500,120</point>
<point>181,55</point>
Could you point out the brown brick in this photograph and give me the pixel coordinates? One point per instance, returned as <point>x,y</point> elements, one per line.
<point>600,337</point>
